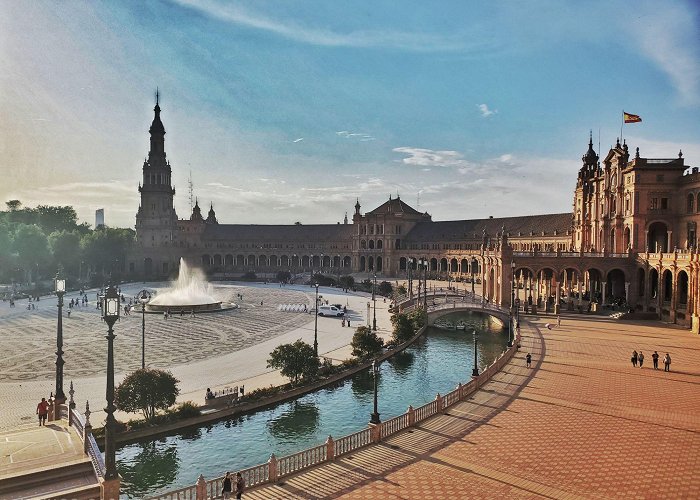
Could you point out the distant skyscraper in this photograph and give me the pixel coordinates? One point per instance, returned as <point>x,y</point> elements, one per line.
<point>99,217</point>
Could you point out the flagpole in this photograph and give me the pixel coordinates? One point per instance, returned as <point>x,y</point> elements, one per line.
<point>622,124</point>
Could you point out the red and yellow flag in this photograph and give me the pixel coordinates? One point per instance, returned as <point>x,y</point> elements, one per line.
<point>630,118</point>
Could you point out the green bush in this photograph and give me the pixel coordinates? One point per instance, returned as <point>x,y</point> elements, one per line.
<point>366,343</point>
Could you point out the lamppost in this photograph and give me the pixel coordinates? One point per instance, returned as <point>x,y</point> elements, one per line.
<point>475,371</point>
<point>60,288</point>
<point>374,299</point>
<point>374,419</point>
<point>473,276</point>
<point>410,281</point>
<point>316,325</point>
<point>110,314</point>
<point>144,297</point>
<point>424,263</point>
<point>512,303</point>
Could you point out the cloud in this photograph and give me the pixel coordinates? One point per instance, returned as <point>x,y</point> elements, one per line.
<point>355,135</point>
<point>387,39</point>
<point>298,140</point>
<point>670,41</point>
<point>429,158</point>
<point>485,111</point>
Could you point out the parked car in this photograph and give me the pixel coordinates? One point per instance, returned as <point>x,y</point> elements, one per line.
<point>330,311</point>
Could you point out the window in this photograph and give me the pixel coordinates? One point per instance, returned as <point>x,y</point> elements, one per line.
<point>664,203</point>
<point>691,203</point>
<point>654,204</point>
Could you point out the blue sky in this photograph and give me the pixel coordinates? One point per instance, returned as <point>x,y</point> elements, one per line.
<point>288,111</point>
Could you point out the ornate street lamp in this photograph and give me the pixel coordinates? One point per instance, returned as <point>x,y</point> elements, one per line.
<point>374,418</point>
<point>512,303</point>
<point>374,298</point>
<point>316,325</point>
<point>475,371</point>
<point>144,297</point>
<point>60,288</point>
<point>424,264</point>
<point>110,314</point>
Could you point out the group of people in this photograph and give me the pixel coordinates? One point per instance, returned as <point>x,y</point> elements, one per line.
<point>228,486</point>
<point>638,358</point>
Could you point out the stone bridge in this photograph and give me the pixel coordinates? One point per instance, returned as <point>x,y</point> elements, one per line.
<point>439,310</point>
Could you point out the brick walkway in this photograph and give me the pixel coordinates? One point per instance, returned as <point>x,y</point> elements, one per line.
<point>582,423</point>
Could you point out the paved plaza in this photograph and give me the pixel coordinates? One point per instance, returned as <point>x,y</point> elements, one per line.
<point>581,423</point>
<point>209,350</point>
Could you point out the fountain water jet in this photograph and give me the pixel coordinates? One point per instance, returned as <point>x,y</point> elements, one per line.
<point>190,293</point>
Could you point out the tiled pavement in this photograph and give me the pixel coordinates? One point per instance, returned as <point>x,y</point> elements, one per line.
<point>582,423</point>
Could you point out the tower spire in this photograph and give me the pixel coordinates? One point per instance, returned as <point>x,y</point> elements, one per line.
<point>157,96</point>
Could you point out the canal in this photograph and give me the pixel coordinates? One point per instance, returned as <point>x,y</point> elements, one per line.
<point>436,363</point>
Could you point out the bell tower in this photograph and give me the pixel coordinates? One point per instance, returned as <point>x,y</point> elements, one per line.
<point>156,220</point>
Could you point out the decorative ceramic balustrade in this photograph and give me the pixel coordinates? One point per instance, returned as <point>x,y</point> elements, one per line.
<point>299,461</point>
<point>352,442</point>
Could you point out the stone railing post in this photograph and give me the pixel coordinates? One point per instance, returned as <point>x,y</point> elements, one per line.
<point>411,416</point>
<point>375,432</point>
<point>330,448</point>
<point>52,409</point>
<point>460,391</point>
<point>201,488</point>
<point>272,468</point>
<point>438,398</point>
<point>87,428</point>
<point>110,489</point>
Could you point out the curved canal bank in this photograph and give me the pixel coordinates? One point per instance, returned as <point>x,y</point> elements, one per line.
<point>436,363</point>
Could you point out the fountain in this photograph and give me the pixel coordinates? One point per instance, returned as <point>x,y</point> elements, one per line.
<point>190,293</point>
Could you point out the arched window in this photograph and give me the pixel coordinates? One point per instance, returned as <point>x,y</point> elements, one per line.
<point>379,244</point>
<point>363,244</point>
<point>691,203</point>
<point>371,244</point>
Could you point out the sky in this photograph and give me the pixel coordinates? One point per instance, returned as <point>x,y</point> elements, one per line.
<point>287,111</point>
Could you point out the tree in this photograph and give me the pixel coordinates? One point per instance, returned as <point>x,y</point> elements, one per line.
<point>418,317</point>
<point>13,205</point>
<point>366,343</point>
<point>296,361</point>
<point>147,391</point>
<point>401,290</point>
<point>284,276</point>
<point>65,247</point>
<point>32,247</point>
<point>347,281</point>
<point>56,218</point>
<point>404,327</point>
<point>385,288</point>
<point>105,249</point>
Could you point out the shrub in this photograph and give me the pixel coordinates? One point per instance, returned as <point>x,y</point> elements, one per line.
<point>366,343</point>
<point>404,328</point>
<point>296,361</point>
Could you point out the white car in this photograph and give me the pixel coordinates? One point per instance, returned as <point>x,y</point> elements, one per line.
<point>330,311</point>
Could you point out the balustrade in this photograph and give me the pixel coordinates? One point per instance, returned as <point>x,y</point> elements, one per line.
<point>352,442</point>
<point>301,460</point>
<point>394,425</point>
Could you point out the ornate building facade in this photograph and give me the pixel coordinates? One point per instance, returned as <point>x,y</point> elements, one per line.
<point>630,238</point>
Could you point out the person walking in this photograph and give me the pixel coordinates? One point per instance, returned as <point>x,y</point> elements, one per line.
<point>634,359</point>
<point>42,409</point>
<point>667,363</point>
<point>240,485</point>
<point>655,360</point>
<point>640,358</point>
<point>228,487</point>
<point>558,320</point>
<point>528,360</point>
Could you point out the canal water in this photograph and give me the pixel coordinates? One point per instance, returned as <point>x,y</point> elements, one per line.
<point>436,363</point>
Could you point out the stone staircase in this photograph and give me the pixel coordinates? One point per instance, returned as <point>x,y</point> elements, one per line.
<point>73,480</point>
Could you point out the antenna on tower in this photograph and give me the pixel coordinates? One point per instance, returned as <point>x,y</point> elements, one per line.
<point>191,189</point>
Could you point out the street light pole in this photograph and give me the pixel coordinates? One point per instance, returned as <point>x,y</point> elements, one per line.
<point>475,371</point>
<point>374,418</point>
<point>425,285</point>
<point>60,286</point>
<point>110,312</point>
<point>374,298</point>
<point>144,297</point>
<point>316,325</point>
<point>512,303</point>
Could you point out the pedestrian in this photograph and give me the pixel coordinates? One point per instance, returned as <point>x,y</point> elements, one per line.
<point>42,409</point>
<point>640,358</point>
<point>634,358</point>
<point>558,320</point>
<point>528,360</point>
<point>667,363</point>
<point>227,489</point>
<point>655,359</point>
<point>240,485</point>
